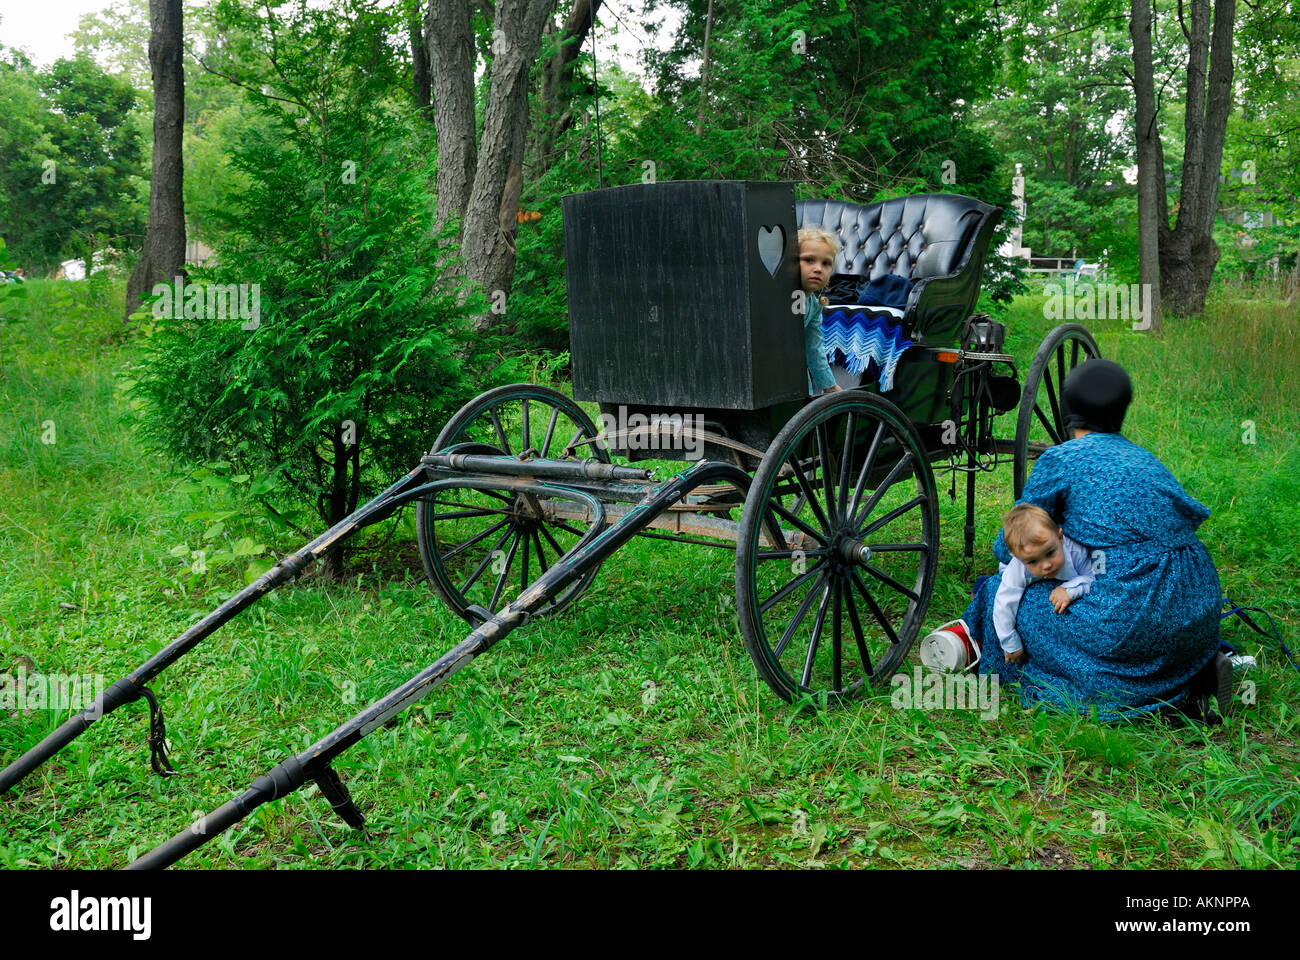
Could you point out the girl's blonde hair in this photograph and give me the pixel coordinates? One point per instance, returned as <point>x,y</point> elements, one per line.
<point>822,235</point>
<point>1021,523</point>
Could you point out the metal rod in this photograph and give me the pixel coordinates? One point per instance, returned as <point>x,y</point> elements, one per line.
<point>590,469</point>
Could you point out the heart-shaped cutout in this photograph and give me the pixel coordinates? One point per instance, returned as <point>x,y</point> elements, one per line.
<point>771,247</point>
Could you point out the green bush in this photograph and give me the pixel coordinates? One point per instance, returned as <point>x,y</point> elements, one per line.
<point>340,345</point>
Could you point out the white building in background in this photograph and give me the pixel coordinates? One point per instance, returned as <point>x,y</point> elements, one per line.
<point>1014,246</point>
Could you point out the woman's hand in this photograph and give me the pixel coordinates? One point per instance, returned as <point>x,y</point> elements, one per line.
<point>1060,600</point>
<point>835,389</point>
<point>1017,657</point>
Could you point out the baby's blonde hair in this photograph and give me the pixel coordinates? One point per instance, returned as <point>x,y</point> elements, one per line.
<point>1021,521</point>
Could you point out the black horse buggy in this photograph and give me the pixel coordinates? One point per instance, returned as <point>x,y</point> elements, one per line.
<point>684,304</point>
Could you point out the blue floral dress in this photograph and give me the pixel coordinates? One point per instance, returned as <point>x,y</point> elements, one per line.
<point>1151,620</point>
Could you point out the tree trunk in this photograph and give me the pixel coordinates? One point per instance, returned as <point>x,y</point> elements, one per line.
<point>420,81</point>
<point>337,497</point>
<point>704,71</point>
<point>554,113</point>
<point>1151,174</point>
<point>451,67</point>
<point>1295,276</point>
<point>488,235</point>
<point>163,255</point>
<point>1188,257</point>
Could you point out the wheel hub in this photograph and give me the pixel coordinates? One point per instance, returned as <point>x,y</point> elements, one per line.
<point>847,552</point>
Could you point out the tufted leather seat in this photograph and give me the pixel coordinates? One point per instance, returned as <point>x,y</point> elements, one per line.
<point>936,240</point>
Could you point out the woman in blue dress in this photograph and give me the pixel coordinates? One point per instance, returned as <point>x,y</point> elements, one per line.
<point>1150,623</point>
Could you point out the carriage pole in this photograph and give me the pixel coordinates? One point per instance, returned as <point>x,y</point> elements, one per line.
<point>593,548</point>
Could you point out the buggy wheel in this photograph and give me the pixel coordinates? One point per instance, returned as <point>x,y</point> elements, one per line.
<point>838,548</point>
<point>482,547</point>
<point>1040,423</point>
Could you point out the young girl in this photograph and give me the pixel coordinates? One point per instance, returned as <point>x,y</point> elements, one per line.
<point>817,251</point>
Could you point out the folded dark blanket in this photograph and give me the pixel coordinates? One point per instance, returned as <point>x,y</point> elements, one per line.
<point>888,290</point>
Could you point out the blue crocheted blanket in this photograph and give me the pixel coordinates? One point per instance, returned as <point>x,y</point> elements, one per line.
<point>865,339</point>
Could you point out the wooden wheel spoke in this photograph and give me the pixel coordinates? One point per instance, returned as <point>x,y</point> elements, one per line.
<point>788,554</point>
<point>523,443</point>
<point>903,463</point>
<point>892,515</point>
<point>1057,419</point>
<point>837,639</point>
<point>811,497</point>
<point>505,572</point>
<point>1074,353</point>
<point>501,434</point>
<point>541,556</point>
<point>798,616</point>
<point>483,564</point>
<point>827,465</point>
<point>874,607</point>
<point>791,518</point>
<point>475,539</point>
<point>567,528</point>
<point>523,574</point>
<point>890,581</point>
<point>463,514</point>
<point>866,470</point>
<point>840,504</point>
<point>435,502</point>
<point>790,588</point>
<point>560,551</point>
<point>818,623</point>
<point>856,622</point>
<point>1051,430</point>
<point>550,430</point>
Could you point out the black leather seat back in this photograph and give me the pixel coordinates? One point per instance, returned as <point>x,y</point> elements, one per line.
<point>914,237</point>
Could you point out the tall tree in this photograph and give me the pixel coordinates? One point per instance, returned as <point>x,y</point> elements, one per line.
<point>1061,111</point>
<point>479,182</point>
<point>1188,252</point>
<point>349,344</point>
<point>163,255</point>
<point>1153,217</point>
<point>71,160</point>
<point>558,84</point>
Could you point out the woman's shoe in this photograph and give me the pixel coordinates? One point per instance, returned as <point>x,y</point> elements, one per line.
<point>1212,680</point>
<point>1222,679</point>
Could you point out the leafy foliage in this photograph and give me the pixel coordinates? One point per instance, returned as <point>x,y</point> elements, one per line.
<point>356,354</point>
<point>71,160</point>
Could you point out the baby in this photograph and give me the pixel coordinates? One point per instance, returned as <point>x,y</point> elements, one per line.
<point>1040,551</point>
<point>817,251</point>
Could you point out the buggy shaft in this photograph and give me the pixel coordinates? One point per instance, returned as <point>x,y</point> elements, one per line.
<point>595,545</point>
<point>130,688</point>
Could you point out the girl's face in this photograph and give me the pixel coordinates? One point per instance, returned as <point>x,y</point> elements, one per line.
<point>815,260</point>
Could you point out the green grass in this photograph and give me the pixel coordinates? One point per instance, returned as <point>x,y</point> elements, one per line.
<point>554,749</point>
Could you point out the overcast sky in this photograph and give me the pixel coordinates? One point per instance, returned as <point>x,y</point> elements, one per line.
<point>41,27</point>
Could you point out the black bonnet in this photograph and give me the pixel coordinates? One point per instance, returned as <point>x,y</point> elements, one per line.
<point>1096,396</point>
